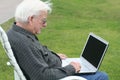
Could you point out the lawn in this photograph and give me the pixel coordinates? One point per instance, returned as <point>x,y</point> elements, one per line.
<point>68,27</point>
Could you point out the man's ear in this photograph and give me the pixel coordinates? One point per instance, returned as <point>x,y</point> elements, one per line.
<point>30,19</point>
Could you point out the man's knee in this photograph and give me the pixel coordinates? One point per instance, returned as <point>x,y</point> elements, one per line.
<point>104,76</point>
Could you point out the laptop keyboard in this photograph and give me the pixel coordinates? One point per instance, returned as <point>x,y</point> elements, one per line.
<point>85,67</point>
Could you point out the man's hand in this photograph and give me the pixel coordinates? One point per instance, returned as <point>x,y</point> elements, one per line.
<point>77,66</point>
<point>62,56</point>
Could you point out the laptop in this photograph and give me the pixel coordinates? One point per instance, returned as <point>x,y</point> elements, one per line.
<point>92,54</point>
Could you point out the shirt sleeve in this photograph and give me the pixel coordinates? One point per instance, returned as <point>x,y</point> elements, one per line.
<point>34,66</point>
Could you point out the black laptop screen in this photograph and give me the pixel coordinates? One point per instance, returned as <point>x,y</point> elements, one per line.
<point>94,50</point>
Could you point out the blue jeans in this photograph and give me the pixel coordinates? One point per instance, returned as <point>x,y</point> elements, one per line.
<point>95,76</point>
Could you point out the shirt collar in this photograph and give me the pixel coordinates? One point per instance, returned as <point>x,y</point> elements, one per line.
<point>25,32</point>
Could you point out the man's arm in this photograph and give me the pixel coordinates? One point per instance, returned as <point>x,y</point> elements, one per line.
<point>37,68</point>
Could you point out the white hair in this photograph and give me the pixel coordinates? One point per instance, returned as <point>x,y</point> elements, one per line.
<point>30,8</point>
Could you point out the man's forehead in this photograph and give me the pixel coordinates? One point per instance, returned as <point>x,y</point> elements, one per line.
<point>43,13</point>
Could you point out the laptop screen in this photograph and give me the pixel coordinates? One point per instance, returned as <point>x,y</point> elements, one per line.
<point>94,50</point>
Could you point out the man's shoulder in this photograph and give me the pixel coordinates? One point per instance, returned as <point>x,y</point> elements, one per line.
<point>16,37</point>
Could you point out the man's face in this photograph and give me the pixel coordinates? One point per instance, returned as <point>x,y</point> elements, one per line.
<point>39,22</point>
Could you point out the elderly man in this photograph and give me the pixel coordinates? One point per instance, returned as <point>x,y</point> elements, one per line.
<point>37,61</point>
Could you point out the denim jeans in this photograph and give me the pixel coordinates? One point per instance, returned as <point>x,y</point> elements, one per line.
<point>95,76</point>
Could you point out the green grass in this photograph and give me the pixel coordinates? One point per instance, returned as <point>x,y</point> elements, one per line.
<point>69,25</point>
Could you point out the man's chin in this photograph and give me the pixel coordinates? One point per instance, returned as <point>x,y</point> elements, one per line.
<point>38,32</point>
